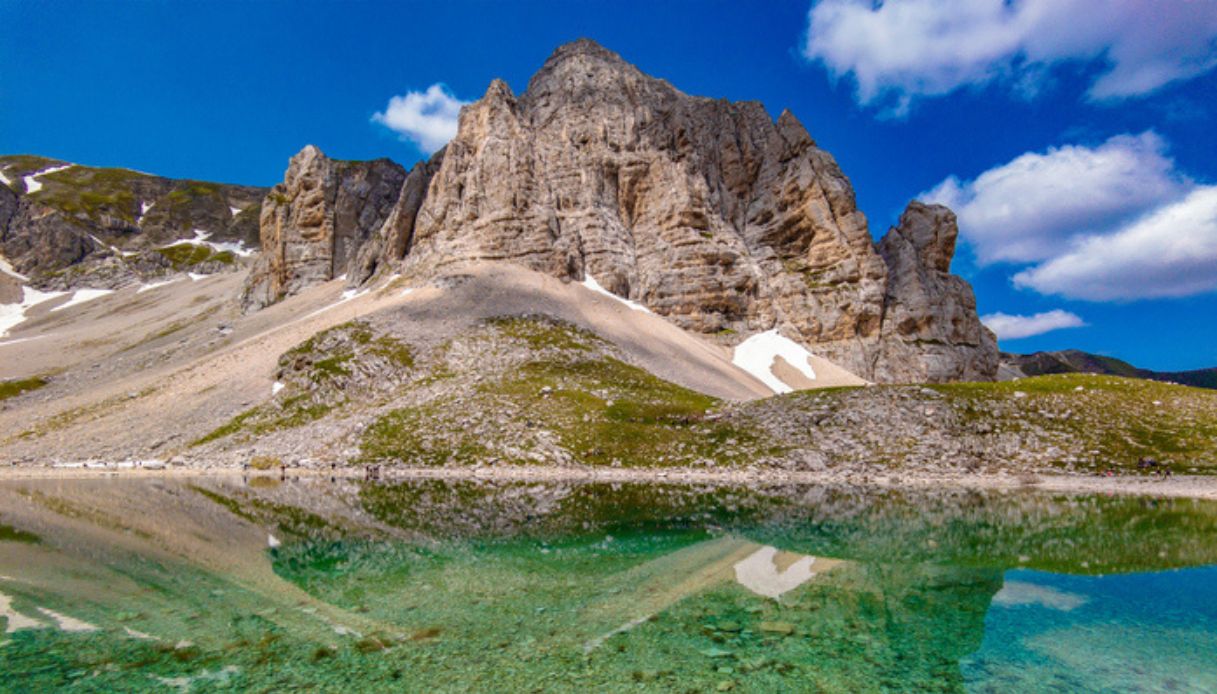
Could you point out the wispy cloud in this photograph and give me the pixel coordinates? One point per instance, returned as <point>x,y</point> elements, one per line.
<point>429,118</point>
<point>900,50</point>
<point>1008,327</point>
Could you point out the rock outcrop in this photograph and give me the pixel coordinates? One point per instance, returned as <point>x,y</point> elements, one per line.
<point>930,330</point>
<point>708,212</point>
<point>67,225</point>
<point>315,222</point>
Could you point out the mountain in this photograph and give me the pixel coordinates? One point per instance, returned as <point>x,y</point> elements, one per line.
<point>601,271</point>
<point>1076,361</point>
<point>65,225</point>
<point>707,212</point>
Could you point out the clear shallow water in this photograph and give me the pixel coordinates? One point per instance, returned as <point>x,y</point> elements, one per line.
<point>226,584</point>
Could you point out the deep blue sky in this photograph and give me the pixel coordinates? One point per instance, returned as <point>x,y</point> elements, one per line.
<point>228,91</point>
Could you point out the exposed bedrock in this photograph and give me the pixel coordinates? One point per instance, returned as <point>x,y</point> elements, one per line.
<point>708,212</point>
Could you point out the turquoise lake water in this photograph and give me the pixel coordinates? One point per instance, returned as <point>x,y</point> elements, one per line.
<point>231,584</point>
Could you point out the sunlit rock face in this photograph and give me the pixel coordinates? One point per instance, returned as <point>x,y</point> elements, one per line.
<point>314,222</point>
<point>707,212</point>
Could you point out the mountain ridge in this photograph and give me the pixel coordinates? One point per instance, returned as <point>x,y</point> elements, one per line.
<point>1077,361</point>
<point>706,211</point>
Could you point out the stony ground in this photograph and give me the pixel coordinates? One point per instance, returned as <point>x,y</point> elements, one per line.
<point>506,373</point>
<point>529,390</point>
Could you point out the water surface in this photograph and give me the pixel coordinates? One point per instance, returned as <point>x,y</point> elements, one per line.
<point>454,586</point>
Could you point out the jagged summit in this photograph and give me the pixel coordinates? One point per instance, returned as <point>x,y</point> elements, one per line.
<point>706,211</point>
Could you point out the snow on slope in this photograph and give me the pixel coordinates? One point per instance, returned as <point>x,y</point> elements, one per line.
<point>200,239</point>
<point>33,185</point>
<point>591,283</point>
<point>12,315</point>
<point>756,355</point>
<point>82,295</point>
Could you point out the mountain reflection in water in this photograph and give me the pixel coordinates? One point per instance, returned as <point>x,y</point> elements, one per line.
<point>481,586</point>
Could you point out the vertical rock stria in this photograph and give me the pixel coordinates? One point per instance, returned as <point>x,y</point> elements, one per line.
<point>315,222</point>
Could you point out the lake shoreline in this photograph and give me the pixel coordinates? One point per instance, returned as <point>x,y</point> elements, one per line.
<point>1180,486</point>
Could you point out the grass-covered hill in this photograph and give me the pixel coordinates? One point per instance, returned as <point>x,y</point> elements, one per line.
<point>530,390</point>
<point>1076,361</point>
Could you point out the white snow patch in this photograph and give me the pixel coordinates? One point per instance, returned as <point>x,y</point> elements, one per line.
<point>33,185</point>
<point>275,388</point>
<point>19,340</point>
<point>272,541</point>
<point>144,206</point>
<point>139,635</point>
<point>12,315</point>
<point>5,179</point>
<point>347,295</point>
<point>591,283</point>
<point>196,276</point>
<point>7,269</point>
<point>113,249</point>
<point>153,285</point>
<point>80,296</point>
<point>67,623</point>
<point>200,239</point>
<point>759,573</point>
<point>407,291</point>
<point>235,211</point>
<point>186,682</point>
<point>15,619</point>
<point>757,354</point>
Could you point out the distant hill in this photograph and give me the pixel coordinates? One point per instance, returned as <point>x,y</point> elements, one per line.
<point>1077,361</point>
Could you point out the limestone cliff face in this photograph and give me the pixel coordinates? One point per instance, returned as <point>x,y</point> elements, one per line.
<point>706,211</point>
<point>315,222</point>
<point>930,330</point>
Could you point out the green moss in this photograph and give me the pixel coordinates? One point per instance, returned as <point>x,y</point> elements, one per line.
<point>11,389</point>
<point>602,411</point>
<point>85,192</point>
<point>10,534</point>
<point>183,256</point>
<point>394,351</point>
<point>401,436</point>
<point>17,165</point>
<point>541,332</point>
<point>265,419</point>
<point>1122,420</point>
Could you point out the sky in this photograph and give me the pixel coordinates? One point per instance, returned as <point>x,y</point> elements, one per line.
<point>1073,138</point>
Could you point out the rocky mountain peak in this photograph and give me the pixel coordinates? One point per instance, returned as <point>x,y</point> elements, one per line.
<point>708,212</point>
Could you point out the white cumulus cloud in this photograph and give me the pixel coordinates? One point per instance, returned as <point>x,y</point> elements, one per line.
<point>899,50</point>
<point>1114,222</point>
<point>1036,206</point>
<point>429,119</point>
<point>1008,327</point>
<point>1171,252</point>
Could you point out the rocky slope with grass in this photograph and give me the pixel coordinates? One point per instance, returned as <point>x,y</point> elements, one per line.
<point>472,371</point>
<point>66,226</point>
<point>707,212</point>
<point>529,390</point>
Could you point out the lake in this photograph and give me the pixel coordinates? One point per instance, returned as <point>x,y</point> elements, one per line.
<point>231,583</point>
